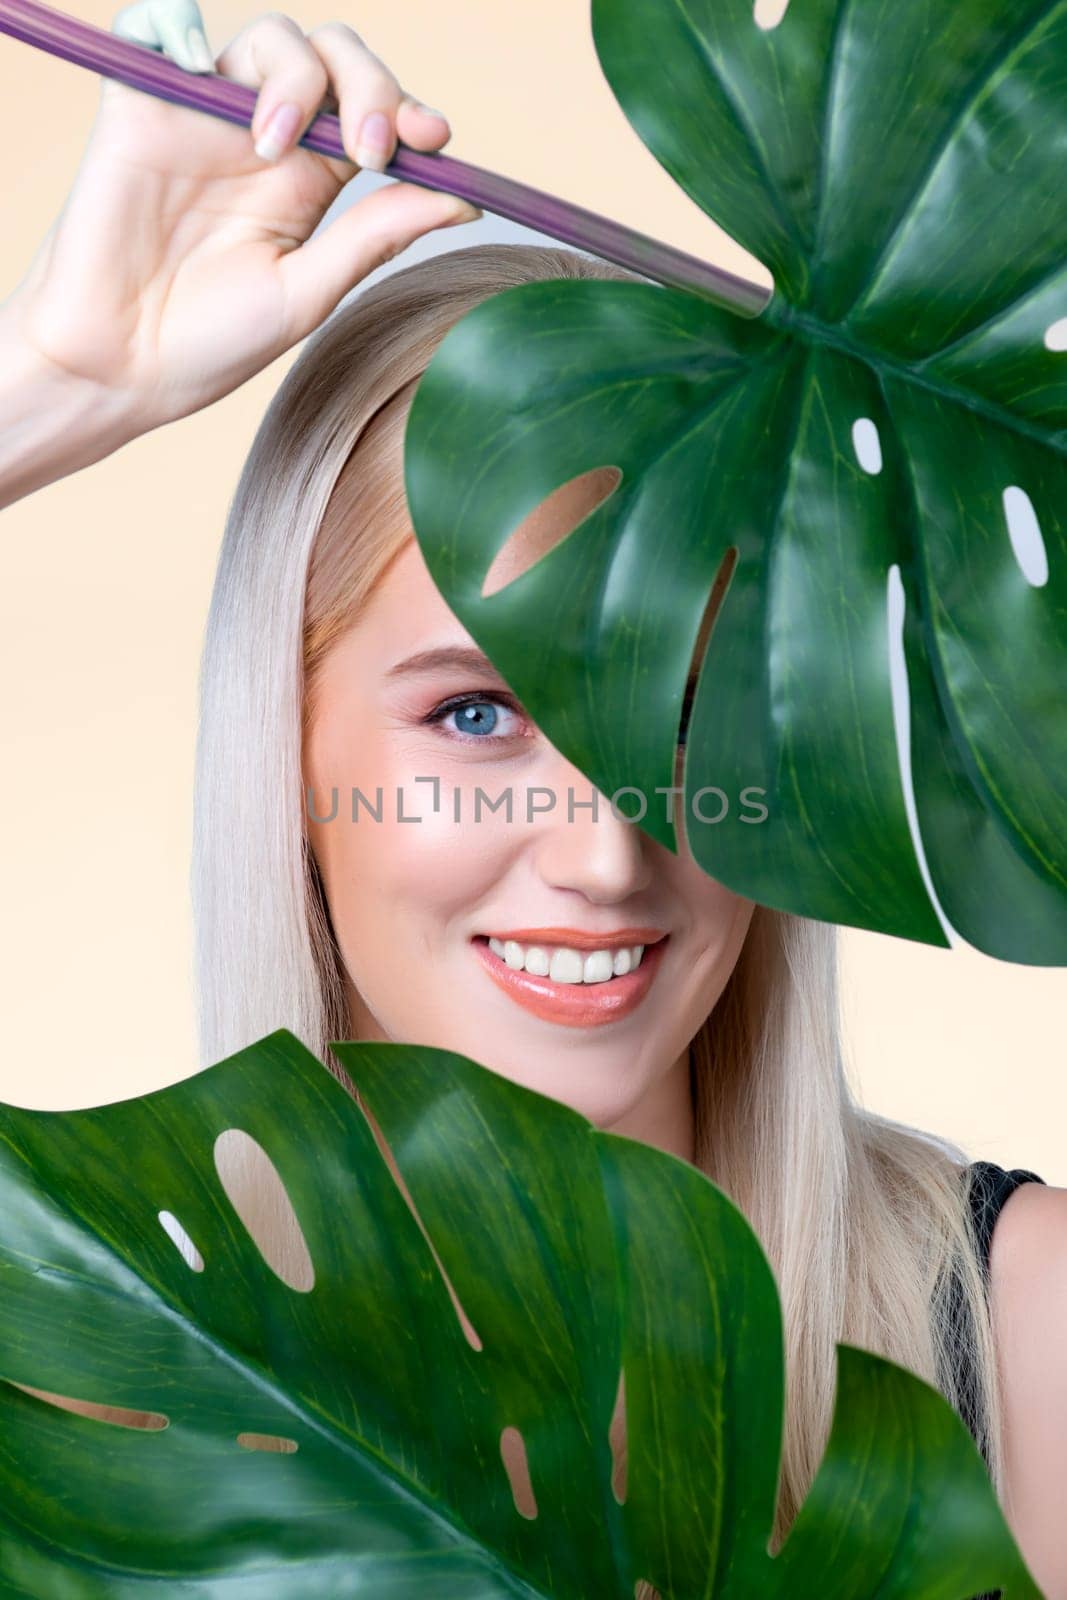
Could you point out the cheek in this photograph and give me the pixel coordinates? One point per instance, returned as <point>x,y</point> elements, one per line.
<point>415,867</point>
<point>720,918</point>
<point>719,921</point>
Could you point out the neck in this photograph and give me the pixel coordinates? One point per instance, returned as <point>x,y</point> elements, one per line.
<point>664,1118</point>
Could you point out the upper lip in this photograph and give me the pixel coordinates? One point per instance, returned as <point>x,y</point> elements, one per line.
<point>575,939</point>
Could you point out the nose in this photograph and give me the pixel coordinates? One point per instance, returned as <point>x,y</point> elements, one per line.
<point>593,851</point>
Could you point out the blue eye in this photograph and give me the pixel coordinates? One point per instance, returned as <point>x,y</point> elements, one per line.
<point>477,717</point>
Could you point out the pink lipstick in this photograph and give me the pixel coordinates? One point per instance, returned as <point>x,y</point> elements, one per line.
<point>576,1005</point>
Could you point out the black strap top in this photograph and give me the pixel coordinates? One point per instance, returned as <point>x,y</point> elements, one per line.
<point>989,1189</point>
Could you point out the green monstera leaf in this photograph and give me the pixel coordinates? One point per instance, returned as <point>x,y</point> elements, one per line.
<point>875,465</point>
<point>128,1279</point>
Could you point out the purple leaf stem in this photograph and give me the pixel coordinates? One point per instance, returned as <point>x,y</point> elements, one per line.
<point>144,68</point>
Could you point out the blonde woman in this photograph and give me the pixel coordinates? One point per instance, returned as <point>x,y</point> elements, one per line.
<point>571,953</point>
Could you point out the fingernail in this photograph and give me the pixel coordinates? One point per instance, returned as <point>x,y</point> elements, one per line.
<point>428,111</point>
<point>199,51</point>
<point>278,133</point>
<point>468,213</point>
<point>375,141</point>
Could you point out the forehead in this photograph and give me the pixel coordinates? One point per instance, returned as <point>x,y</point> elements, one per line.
<point>406,602</point>
<point>539,531</point>
<point>404,616</point>
<point>406,609</point>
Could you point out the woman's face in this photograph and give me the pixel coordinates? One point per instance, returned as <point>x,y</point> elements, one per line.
<point>415,897</point>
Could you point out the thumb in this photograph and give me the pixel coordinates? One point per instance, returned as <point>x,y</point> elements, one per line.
<point>378,227</point>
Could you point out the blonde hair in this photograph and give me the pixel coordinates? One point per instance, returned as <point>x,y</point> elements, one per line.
<point>864,1222</point>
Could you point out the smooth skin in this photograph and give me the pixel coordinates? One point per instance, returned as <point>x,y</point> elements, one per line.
<point>218,277</point>
<point>406,897</point>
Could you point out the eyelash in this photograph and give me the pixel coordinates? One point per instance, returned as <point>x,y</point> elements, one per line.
<point>445,709</point>
<point>457,703</point>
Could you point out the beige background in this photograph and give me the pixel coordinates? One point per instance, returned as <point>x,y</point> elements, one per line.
<point>107,577</point>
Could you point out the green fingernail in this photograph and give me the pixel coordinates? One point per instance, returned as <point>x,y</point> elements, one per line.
<point>199,50</point>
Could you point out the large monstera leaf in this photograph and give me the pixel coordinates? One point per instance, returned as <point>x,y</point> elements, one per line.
<point>128,1279</point>
<point>887,436</point>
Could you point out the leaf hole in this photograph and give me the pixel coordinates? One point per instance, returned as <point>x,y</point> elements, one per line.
<point>178,1236</point>
<point>513,1455</point>
<point>256,1192</point>
<point>901,698</point>
<point>116,1416</point>
<point>1024,531</point>
<point>767,14</point>
<point>712,607</point>
<point>470,1333</point>
<point>1056,335</point>
<point>548,524</point>
<point>867,444</point>
<point>270,1442</point>
<point>617,1440</point>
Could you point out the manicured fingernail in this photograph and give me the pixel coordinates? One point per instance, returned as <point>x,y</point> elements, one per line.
<point>468,213</point>
<point>281,126</point>
<point>199,51</point>
<point>375,141</point>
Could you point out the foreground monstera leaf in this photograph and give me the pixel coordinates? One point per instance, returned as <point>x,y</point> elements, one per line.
<point>574,1255</point>
<point>889,429</point>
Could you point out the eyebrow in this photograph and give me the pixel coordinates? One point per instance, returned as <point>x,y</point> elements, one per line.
<point>464,658</point>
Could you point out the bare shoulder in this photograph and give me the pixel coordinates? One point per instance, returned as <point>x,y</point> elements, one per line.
<point>1028,1285</point>
<point>1031,1230</point>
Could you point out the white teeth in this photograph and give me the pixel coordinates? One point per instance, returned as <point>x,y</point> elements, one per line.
<point>565,965</point>
<point>597,967</point>
<point>537,961</point>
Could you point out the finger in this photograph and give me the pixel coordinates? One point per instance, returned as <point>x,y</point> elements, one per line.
<point>363,237</point>
<point>420,127</point>
<point>174,27</point>
<point>182,34</point>
<point>273,55</point>
<point>368,95</point>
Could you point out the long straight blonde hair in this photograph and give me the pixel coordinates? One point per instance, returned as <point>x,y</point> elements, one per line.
<point>864,1222</point>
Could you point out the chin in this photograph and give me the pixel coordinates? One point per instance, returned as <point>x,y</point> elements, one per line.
<point>601,1093</point>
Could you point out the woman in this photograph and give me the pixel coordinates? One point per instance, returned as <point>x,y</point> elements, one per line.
<point>715,1035</point>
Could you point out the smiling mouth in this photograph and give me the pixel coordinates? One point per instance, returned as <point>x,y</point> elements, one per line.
<point>574,1002</point>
